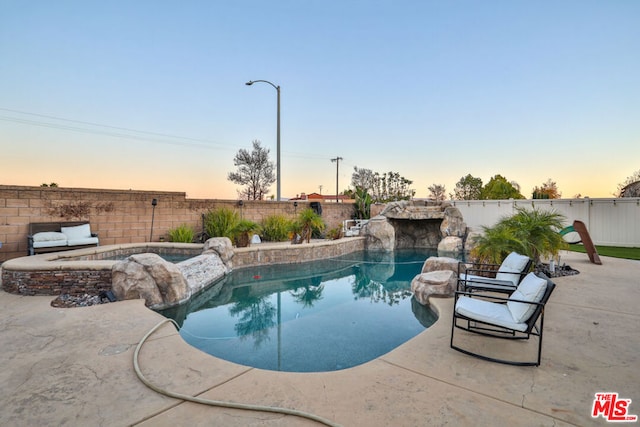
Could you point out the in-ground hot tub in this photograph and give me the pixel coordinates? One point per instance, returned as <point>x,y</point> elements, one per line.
<point>89,270</point>
<point>79,271</point>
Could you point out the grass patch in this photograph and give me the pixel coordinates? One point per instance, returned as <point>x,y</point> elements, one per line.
<point>612,251</point>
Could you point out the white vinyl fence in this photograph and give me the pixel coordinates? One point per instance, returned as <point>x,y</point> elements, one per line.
<point>611,222</point>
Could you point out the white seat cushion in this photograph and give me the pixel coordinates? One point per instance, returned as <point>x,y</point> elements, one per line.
<point>531,289</point>
<point>49,236</point>
<point>85,241</point>
<point>49,243</point>
<point>489,312</point>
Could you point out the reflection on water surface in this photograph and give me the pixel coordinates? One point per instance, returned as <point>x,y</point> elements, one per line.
<point>317,316</point>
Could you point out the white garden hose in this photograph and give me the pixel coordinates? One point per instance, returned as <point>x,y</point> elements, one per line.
<point>249,407</point>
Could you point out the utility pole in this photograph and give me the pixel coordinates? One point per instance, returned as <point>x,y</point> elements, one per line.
<point>337,160</point>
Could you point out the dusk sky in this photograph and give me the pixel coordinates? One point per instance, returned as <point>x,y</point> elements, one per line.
<point>151,95</point>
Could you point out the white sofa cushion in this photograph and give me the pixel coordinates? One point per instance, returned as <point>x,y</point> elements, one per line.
<point>79,235</point>
<point>513,263</point>
<point>49,236</point>
<point>489,312</point>
<point>85,241</point>
<point>531,289</point>
<point>77,232</point>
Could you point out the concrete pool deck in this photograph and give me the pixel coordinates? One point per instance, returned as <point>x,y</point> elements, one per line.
<point>74,367</point>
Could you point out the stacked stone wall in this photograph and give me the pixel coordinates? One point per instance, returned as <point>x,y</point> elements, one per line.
<point>125,216</point>
<point>56,282</point>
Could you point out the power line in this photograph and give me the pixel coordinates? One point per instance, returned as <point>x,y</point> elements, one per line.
<point>120,132</point>
<point>202,143</point>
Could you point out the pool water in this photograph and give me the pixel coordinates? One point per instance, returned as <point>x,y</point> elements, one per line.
<point>318,316</point>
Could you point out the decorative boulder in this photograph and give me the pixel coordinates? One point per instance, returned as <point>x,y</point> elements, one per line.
<point>149,277</point>
<point>201,271</point>
<point>222,246</point>
<point>435,263</point>
<point>380,234</point>
<point>470,243</point>
<point>453,223</point>
<point>450,245</point>
<point>437,283</point>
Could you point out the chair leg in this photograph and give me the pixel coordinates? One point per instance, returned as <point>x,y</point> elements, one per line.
<point>493,359</point>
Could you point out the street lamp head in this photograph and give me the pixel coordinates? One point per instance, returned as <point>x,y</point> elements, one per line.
<point>249,83</point>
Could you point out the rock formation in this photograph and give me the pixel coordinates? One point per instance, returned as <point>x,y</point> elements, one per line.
<point>163,284</point>
<point>149,277</point>
<point>407,224</point>
<point>435,263</point>
<point>435,283</point>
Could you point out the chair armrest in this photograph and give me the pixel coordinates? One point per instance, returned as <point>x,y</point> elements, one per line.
<point>482,271</point>
<point>487,284</point>
<point>481,295</point>
<point>30,250</point>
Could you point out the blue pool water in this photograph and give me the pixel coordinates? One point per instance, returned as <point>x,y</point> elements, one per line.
<point>318,316</point>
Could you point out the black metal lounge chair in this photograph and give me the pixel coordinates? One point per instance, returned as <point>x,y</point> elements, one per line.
<point>503,277</point>
<point>517,317</point>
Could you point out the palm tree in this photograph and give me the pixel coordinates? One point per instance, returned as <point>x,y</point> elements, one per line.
<point>529,232</point>
<point>243,231</point>
<point>363,203</point>
<point>308,221</point>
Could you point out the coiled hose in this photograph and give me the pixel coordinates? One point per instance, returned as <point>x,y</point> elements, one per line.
<point>219,403</point>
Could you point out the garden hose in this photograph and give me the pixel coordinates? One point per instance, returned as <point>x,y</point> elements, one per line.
<point>219,403</point>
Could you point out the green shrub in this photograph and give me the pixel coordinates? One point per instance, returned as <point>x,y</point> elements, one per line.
<point>529,232</point>
<point>308,223</point>
<point>243,231</point>
<point>182,234</point>
<point>221,222</point>
<point>335,233</point>
<point>276,228</point>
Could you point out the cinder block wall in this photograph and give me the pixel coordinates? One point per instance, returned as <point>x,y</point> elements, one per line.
<point>124,216</point>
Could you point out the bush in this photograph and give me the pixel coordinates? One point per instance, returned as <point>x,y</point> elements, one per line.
<point>308,223</point>
<point>534,233</point>
<point>243,231</point>
<point>182,234</point>
<point>334,233</point>
<point>221,222</point>
<point>276,228</point>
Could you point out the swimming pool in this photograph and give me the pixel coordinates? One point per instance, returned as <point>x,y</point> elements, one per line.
<point>318,316</point>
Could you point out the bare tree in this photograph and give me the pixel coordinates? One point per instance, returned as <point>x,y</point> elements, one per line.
<point>383,188</point>
<point>254,172</point>
<point>437,192</point>
<point>363,178</point>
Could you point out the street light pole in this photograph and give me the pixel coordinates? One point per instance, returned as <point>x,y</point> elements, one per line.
<point>337,160</point>
<point>277,88</point>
